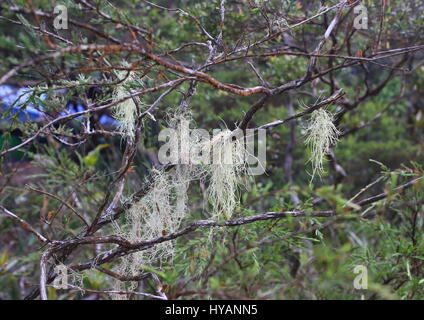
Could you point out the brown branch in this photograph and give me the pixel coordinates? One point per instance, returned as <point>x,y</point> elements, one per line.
<point>25,225</point>
<point>61,201</point>
<point>120,292</point>
<point>332,99</point>
<point>385,194</point>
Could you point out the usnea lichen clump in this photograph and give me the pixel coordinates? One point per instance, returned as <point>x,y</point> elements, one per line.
<point>321,134</point>
<point>225,172</point>
<point>158,213</point>
<point>163,208</point>
<point>126,112</point>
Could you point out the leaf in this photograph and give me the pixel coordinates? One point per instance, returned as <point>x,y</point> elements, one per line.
<point>51,293</point>
<point>150,269</point>
<point>4,257</point>
<point>93,156</point>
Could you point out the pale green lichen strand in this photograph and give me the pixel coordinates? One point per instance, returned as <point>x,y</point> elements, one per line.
<point>321,134</point>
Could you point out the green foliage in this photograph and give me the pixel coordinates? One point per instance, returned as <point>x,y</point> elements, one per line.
<point>307,257</point>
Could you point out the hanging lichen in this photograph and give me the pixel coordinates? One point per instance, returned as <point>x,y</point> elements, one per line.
<point>321,134</point>
<point>126,112</point>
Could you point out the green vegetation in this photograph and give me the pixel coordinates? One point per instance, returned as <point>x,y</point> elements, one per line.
<point>343,184</point>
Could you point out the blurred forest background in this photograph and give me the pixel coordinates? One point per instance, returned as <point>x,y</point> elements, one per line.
<point>68,175</point>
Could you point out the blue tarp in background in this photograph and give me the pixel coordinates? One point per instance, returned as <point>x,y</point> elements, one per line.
<point>9,94</point>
